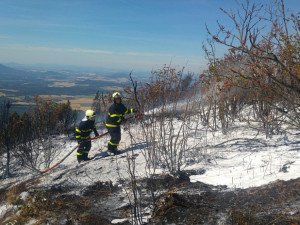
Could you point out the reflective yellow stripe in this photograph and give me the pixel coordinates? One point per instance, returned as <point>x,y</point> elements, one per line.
<point>131,110</point>
<point>111,125</point>
<point>80,131</point>
<point>119,120</point>
<point>85,152</point>
<point>79,153</point>
<point>77,130</point>
<point>126,110</point>
<point>113,143</point>
<point>77,136</point>
<point>88,130</point>
<point>84,138</point>
<point>114,115</point>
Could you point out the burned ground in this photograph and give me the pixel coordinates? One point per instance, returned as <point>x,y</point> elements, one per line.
<point>172,200</point>
<point>276,203</point>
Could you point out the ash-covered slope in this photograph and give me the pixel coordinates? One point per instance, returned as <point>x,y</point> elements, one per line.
<point>225,179</point>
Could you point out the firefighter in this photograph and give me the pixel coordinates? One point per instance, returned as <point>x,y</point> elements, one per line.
<point>82,134</point>
<point>116,115</point>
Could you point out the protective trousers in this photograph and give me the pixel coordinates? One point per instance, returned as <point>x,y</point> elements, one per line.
<point>83,151</point>
<point>115,137</point>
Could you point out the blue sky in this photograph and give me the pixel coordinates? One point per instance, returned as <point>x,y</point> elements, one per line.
<point>119,34</point>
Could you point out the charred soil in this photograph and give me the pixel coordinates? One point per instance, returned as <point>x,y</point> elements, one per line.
<point>163,200</point>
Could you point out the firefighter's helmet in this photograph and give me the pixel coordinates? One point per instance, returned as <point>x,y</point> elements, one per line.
<point>90,114</point>
<point>116,95</point>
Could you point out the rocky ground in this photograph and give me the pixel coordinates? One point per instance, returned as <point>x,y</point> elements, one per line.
<point>164,199</point>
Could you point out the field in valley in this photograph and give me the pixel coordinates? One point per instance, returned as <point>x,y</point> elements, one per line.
<point>77,87</point>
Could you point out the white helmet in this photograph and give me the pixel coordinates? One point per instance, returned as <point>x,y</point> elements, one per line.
<point>116,95</point>
<point>90,114</point>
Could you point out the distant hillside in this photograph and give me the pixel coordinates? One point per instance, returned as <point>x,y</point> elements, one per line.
<point>8,73</point>
<point>5,70</point>
<point>21,85</point>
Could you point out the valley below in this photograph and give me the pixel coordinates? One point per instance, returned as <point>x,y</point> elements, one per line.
<point>79,88</point>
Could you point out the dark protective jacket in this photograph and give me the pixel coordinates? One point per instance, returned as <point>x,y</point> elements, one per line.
<point>83,131</point>
<point>116,114</point>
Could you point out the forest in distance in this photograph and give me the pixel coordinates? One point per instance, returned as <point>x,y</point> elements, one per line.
<point>21,86</point>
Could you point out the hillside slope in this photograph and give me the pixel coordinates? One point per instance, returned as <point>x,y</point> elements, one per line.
<point>239,178</point>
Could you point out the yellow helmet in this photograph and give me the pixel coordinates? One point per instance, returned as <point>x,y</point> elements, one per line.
<point>89,114</point>
<point>116,95</point>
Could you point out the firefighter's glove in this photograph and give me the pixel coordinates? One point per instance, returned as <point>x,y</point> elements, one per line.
<point>124,121</point>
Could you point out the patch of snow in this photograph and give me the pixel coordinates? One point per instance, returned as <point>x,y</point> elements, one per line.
<point>116,221</point>
<point>6,208</point>
<point>243,158</point>
<point>24,195</point>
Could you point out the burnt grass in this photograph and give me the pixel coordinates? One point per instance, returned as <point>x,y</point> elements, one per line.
<point>172,200</point>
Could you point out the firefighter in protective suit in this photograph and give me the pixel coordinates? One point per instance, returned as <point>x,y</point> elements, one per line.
<point>82,134</point>
<point>116,115</point>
